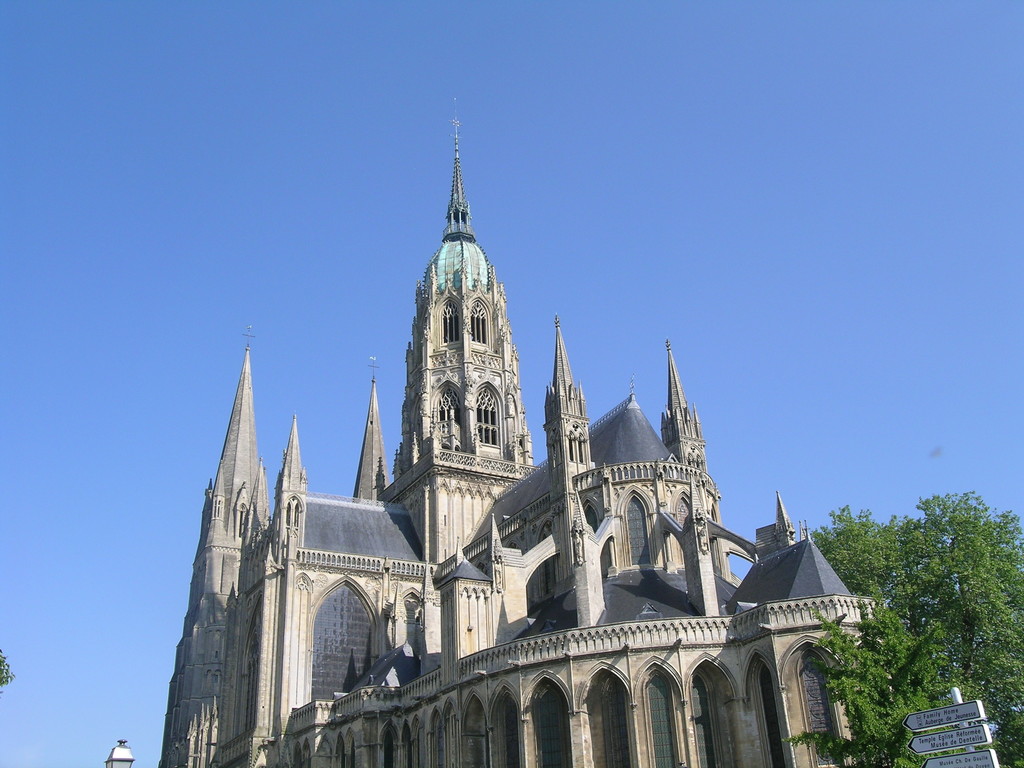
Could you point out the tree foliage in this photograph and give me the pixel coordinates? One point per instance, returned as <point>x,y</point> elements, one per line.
<point>5,671</point>
<point>879,676</point>
<point>953,575</point>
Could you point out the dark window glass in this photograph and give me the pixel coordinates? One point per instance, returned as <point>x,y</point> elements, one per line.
<point>342,643</point>
<point>478,324</point>
<point>510,734</point>
<point>614,724</point>
<point>389,750</point>
<point>551,726</point>
<point>451,327</point>
<point>487,418</point>
<point>703,724</point>
<point>819,708</point>
<point>636,521</point>
<point>659,700</point>
<point>771,718</point>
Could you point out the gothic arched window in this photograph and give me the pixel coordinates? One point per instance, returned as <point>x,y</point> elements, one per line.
<point>590,514</point>
<point>770,716</point>
<point>451,324</point>
<point>478,323</point>
<point>816,700</point>
<point>636,522</point>
<point>487,418</point>
<point>704,726</point>
<point>389,749</point>
<point>250,683</point>
<point>342,643</point>
<point>609,725</point>
<point>551,726</point>
<point>506,741</point>
<point>663,732</point>
<point>448,407</point>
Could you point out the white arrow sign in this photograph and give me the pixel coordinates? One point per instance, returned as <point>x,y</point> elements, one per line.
<point>935,718</point>
<point>940,741</point>
<point>986,758</point>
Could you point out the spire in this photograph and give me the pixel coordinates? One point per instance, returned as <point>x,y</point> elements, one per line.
<point>371,458</point>
<point>238,460</point>
<point>676,396</point>
<point>260,500</point>
<point>562,378</point>
<point>293,476</point>
<point>459,227</point>
<point>783,525</point>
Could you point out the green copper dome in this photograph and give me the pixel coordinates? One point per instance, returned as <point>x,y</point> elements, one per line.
<point>457,257</point>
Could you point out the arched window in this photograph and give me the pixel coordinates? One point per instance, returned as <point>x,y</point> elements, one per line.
<point>663,732</point>
<point>609,727</point>
<point>487,418</point>
<point>342,756</point>
<point>251,677</point>
<point>407,747</point>
<point>389,749</point>
<point>506,737</point>
<point>704,726</point>
<point>636,522</point>
<point>451,326</point>
<point>342,643</point>
<point>770,716</point>
<point>551,727</point>
<point>474,734</point>
<point>439,739</point>
<point>478,323</point>
<point>448,407</point>
<point>819,708</point>
<point>590,514</point>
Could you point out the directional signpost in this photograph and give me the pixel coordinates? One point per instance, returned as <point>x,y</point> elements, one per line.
<point>986,758</point>
<point>936,718</point>
<point>940,741</point>
<point>965,732</point>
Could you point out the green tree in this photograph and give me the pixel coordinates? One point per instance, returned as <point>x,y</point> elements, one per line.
<point>879,676</point>
<point>5,671</point>
<point>955,574</point>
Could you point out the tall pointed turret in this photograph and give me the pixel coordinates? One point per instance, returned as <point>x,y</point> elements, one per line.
<point>459,227</point>
<point>369,484</point>
<point>232,499</point>
<point>680,428</point>
<point>293,474</point>
<point>238,461</point>
<point>561,379</point>
<point>463,416</point>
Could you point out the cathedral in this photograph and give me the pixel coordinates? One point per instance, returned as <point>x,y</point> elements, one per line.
<point>472,608</point>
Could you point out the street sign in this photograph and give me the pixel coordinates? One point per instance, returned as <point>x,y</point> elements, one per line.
<point>986,758</point>
<point>935,718</point>
<point>940,741</point>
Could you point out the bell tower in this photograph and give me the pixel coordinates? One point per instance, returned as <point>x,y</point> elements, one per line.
<point>464,433</point>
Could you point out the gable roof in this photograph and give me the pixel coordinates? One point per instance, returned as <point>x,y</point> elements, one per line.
<point>360,527</point>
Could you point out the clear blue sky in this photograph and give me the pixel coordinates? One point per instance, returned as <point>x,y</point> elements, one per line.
<point>819,203</point>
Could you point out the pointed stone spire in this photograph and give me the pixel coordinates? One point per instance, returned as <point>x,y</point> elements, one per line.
<point>676,396</point>
<point>562,379</point>
<point>783,525</point>
<point>459,227</point>
<point>260,498</point>
<point>371,457</point>
<point>238,459</point>
<point>293,475</point>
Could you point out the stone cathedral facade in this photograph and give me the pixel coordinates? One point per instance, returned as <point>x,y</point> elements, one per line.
<point>481,610</point>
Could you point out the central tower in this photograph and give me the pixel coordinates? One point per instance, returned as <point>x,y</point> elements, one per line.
<point>464,433</point>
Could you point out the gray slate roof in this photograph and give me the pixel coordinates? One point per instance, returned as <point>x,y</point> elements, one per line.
<point>799,570</point>
<point>396,667</point>
<point>634,595</point>
<point>360,527</point>
<point>625,434</point>
<point>465,570</point>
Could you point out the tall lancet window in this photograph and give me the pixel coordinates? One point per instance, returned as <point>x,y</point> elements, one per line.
<point>636,522</point>
<point>451,326</point>
<point>487,418</point>
<point>478,323</point>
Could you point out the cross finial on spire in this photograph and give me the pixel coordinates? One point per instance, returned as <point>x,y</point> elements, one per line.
<point>374,366</point>
<point>249,335</point>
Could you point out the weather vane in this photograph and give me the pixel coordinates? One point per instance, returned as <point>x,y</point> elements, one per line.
<point>248,335</point>
<point>374,366</point>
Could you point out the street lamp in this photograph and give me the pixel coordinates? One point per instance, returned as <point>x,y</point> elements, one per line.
<point>120,756</point>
